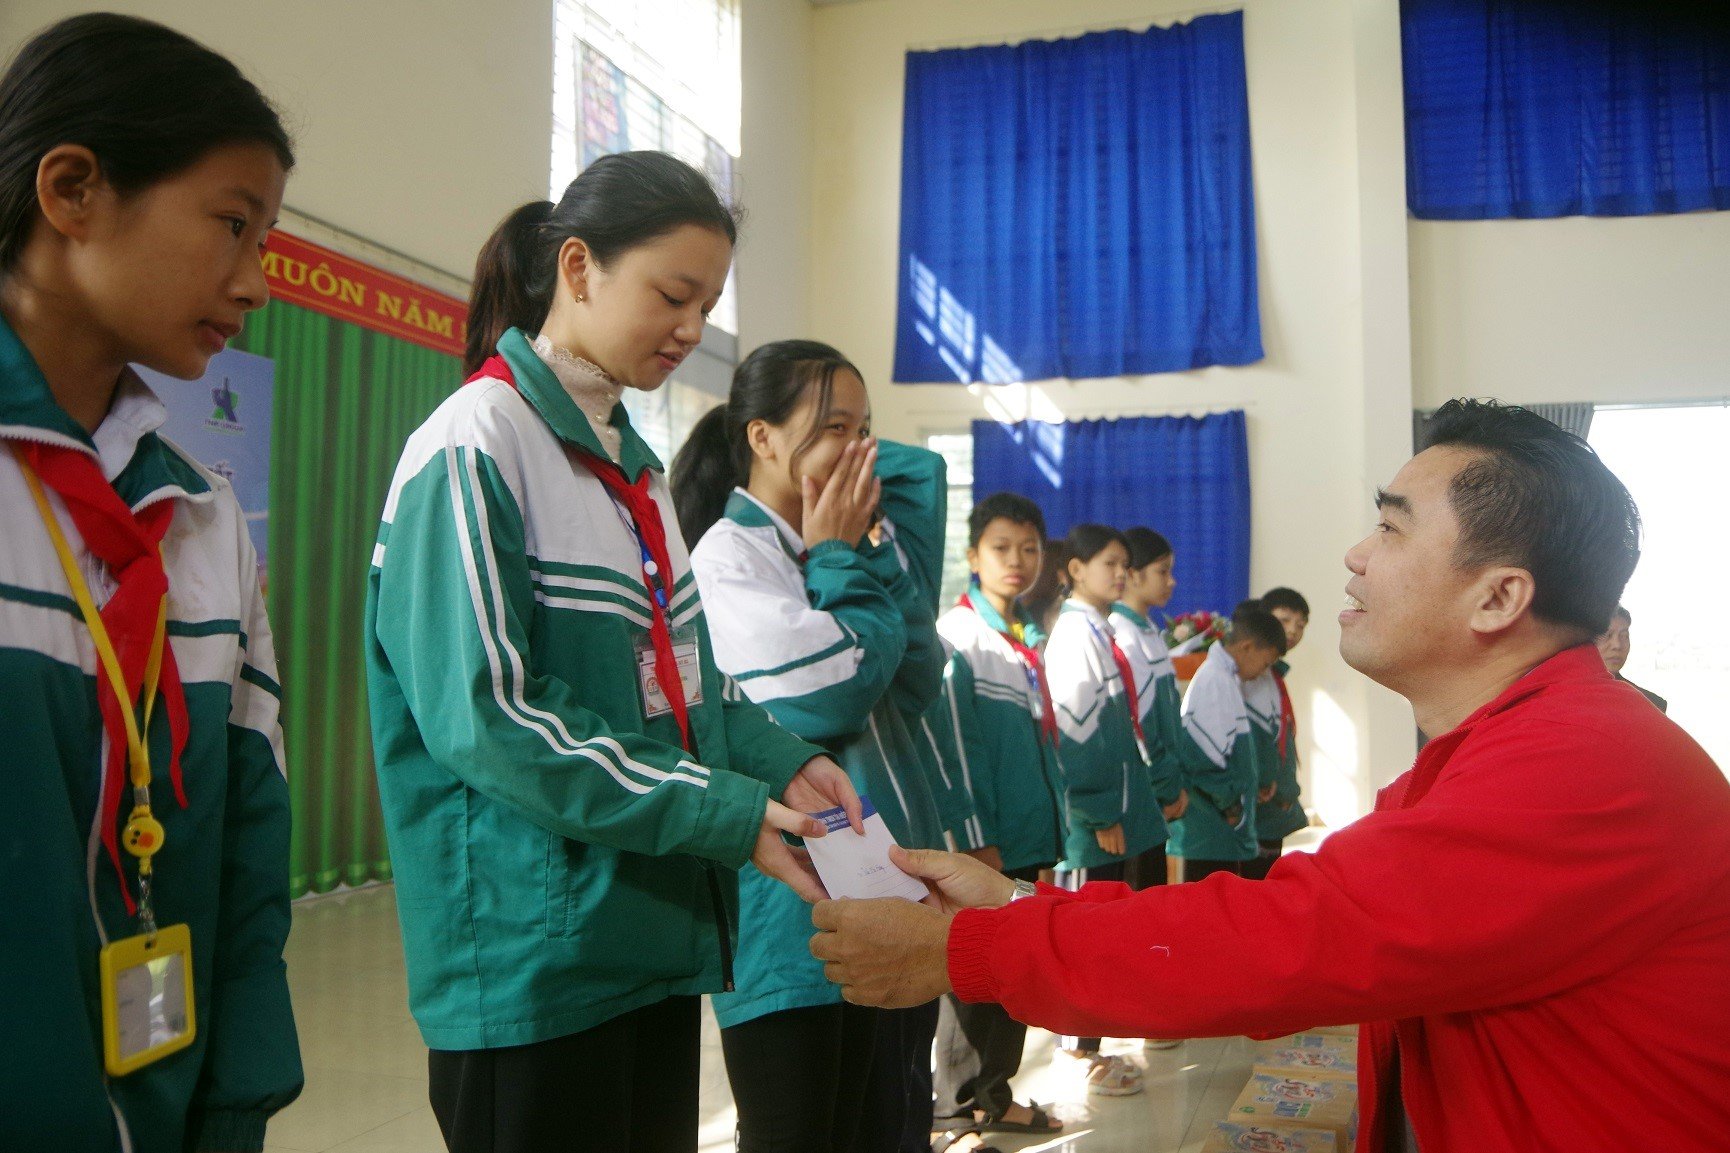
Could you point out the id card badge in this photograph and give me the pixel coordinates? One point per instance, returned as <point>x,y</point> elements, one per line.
<point>655,703</point>
<point>147,1007</point>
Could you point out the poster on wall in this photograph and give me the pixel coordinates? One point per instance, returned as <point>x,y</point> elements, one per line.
<point>222,420</point>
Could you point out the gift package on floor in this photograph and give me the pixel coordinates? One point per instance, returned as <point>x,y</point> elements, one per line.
<point>1230,1137</point>
<point>1335,1030</point>
<point>1318,1055</point>
<point>1284,1102</point>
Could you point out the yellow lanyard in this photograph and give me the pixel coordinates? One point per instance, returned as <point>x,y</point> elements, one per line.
<point>143,834</point>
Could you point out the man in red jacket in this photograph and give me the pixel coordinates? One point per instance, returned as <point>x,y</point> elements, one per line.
<point>1533,927</point>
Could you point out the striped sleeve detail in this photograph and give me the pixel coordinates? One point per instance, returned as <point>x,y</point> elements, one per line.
<point>505,663</point>
<point>974,829</point>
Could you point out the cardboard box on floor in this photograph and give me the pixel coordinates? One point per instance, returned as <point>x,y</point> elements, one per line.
<point>1317,1055</point>
<point>1276,1102</point>
<point>1230,1137</point>
<point>1335,1030</point>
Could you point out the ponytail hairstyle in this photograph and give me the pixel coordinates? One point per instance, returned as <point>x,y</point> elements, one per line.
<point>1145,547</point>
<point>769,385</point>
<point>619,202</point>
<point>146,100</point>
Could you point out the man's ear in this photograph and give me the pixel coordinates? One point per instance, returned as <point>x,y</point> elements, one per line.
<point>69,188</point>
<point>1501,597</point>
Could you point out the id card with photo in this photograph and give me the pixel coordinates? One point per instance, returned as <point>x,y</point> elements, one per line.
<point>858,866</point>
<point>685,654</point>
<point>147,1005</point>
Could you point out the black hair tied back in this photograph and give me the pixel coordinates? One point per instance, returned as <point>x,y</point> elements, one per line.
<point>146,100</point>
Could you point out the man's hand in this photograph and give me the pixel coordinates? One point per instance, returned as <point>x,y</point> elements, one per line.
<point>1110,840</point>
<point>889,953</point>
<point>1176,810</point>
<point>956,880</point>
<point>775,858</point>
<point>822,784</point>
<point>987,855</point>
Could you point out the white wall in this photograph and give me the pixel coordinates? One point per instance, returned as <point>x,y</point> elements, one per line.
<point>1597,309</point>
<point>774,171</point>
<point>1328,409</point>
<point>418,125</point>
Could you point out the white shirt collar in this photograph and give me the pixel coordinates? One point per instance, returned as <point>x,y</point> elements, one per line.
<point>793,539</point>
<point>135,413</point>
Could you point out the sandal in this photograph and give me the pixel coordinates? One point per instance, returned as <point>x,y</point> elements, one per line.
<point>1113,1077</point>
<point>951,1142</point>
<point>1041,1122</point>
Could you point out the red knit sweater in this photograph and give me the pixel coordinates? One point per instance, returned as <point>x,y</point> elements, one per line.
<point>1539,911</point>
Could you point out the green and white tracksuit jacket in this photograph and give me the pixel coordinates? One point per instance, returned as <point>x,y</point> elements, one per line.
<point>1282,816</point>
<point>1009,769</point>
<point>560,859</point>
<point>836,643</point>
<point>1223,771</point>
<point>1108,781</point>
<point>223,870</point>
<point>915,508</point>
<point>1157,698</point>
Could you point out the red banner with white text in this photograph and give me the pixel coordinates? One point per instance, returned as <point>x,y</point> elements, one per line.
<point>338,286</point>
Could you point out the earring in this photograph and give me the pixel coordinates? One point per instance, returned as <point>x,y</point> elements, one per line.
<point>580,298</point>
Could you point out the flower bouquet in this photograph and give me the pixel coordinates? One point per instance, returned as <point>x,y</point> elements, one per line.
<point>1189,636</point>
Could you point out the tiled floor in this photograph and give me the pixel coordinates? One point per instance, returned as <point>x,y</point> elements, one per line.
<point>366,1066</point>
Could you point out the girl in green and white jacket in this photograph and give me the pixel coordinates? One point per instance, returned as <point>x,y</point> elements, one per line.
<point>1149,586</point>
<point>568,780</point>
<point>140,173</point>
<point>1115,816</point>
<point>835,638</point>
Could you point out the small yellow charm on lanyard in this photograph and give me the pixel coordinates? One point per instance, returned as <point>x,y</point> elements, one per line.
<point>147,1003</point>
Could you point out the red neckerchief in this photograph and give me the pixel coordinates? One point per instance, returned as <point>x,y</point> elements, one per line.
<point>131,546</point>
<point>646,517</point>
<point>1287,717</point>
<point>1127,674</point>
<point>1036,665</point>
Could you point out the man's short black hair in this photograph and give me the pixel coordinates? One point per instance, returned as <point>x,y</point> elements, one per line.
<point>1284,598</point>
<point>1009,506</point>
<point>1537,497</point>
<point>1254,621</point>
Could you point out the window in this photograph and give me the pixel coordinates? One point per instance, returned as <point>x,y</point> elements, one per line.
<point>664,418</point>
<point>1669,459</point>
<point>957,450</point>
<point>648,74</point>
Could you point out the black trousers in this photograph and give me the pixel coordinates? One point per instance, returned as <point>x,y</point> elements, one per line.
<point>978,1049</point>
<point>896,1116</point>
<point>1139,872</point>
<point>626,1086</point>
<point>1257,870</point>
<point>1195,870</point>
<point>799,1077</point>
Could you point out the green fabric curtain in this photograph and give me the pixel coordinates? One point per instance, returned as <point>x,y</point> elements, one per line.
<point>346,399</point>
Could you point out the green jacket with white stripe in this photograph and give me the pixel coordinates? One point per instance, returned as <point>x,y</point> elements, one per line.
<point>560,859</point>
<point>988,722</point>
<point>1107,778</point>
<point>1157,698</point>
<point>223,870</point>
<point>1222,769</point>
<point>915,507</point>
<point>1282,816</point>
<point>837,644</point>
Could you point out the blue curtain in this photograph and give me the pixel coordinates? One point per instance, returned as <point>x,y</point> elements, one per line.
<point>1519,108</point>
<point>1078,208</point>
<point>1186,477</point>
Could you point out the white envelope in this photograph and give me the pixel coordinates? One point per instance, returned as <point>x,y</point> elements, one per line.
<point>855,866</point>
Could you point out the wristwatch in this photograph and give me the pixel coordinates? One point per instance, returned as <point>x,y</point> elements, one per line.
<point>1023,889</point>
